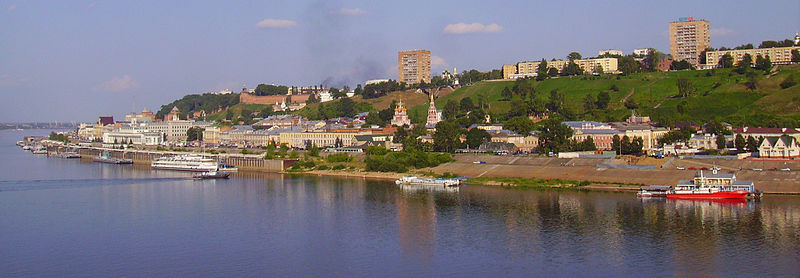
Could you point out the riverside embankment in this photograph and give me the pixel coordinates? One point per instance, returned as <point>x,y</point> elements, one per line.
<point>575,169</point>
<point>585,169</point>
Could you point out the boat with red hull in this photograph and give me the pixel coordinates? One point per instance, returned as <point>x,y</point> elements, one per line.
<point>713,186</point>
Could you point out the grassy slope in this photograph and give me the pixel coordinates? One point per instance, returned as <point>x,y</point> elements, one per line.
<point>719,96</point>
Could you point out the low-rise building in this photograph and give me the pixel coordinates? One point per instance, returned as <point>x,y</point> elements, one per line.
<point>777,55</point>
<point>135,135</point>
<point>609,52</point>
<point>783,146</point>
<point>641,51</point>
<point>320,139</point>
<point>175,130</point>
<point>508,70</point>
<point>757,132</point>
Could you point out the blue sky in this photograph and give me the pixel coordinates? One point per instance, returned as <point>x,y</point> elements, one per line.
<point>75,60</point>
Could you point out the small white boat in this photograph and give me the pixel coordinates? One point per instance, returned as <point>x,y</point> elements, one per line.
<point>39,150</point>
<point>425,181</point>
<point>212,175</point>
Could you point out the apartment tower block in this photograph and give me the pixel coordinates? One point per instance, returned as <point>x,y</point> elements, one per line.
<point>414,66</point>
<point>688,38</point>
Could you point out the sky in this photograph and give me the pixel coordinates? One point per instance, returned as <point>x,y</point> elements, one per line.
<point>77,60</point>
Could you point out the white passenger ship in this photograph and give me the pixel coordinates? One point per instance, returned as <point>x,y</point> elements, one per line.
<point>193,163</point>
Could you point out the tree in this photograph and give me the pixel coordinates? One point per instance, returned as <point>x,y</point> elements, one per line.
<point>714,127</point>
<point>373,119</point>
<point>637,145</point>
<point>752,79</point>
<point>506,93</point>
<point>554,136</point>
<point>400,135</point>
<point>194,133</point>
<point>476,137</point>
<point>726,61</point>
<point>795,56</point>
<point>616,144</point>
<point>627,65</point>
<point>685,87</point>
<point>311,99</point>
<point>625,145</point>
<point>337,94</point>
<point>744,64</point>
<point>763,63</point>
<point>447,137</point>
<point>519,124</point>
<point>602,100</point>
<point>229,114</point>
<point>588,103</point>
<point>574,56</point>
<point>450,110</point>
<point>721,142</point>
<point>572,69</point>
<point>752,144</point>
<point>631,104</point>
<point>466,104</point>
<point>556,101</point>
<point>266,112</point>
<point>703,55</point>
<point>358,90</point>
<point>552,72</point>
<point>652,59</point>
<point>347,107</point>
<point>739,142</point>
<point>542,67</point>
<point>682,65</point>
<point>270,90</point>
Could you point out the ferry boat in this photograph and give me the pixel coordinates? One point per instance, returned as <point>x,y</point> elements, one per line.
<point>713,186</point>
<point>192,163</point>
<point>105,157</point>
<point>424,181</point>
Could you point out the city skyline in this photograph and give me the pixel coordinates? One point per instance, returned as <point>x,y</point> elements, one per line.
<point>74,61</point>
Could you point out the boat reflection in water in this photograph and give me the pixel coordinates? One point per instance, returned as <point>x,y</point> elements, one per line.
<point>427,188</point>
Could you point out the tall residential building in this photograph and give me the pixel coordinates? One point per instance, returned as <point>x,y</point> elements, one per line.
<point>688,38</point>
<point>414,66</point>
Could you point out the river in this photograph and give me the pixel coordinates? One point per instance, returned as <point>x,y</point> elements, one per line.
<point>69,218</point>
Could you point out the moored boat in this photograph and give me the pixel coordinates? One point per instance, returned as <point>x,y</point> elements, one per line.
<point>105,157</point>
<point>653,191</point>
<point>713,186</point>
<point>426,181</point>
<point>192,163</point>
<point>212,175</point>
<point>67,155</point>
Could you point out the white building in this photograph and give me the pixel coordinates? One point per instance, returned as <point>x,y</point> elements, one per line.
<point>641,51</point>
<point>133,135</point>
<point>609,52</point>
<point>175,130</point>
<point>325,96</point>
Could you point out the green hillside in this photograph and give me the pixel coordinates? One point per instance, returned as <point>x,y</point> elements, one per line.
<point>719,94</point>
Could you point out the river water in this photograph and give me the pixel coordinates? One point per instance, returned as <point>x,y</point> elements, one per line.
<point>68,218</point>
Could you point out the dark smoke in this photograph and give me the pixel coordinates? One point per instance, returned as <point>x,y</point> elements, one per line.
<point>334,49</point>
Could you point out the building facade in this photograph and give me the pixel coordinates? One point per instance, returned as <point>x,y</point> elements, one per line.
<point>434,116</point>
<point>688,38</point>
<point>608,65</point>
<point>609,52</point>
<point>779,147</point>
<point>508,70</point>
<point>777,55</point>
<point>414,66</point>
<point>174,130</point>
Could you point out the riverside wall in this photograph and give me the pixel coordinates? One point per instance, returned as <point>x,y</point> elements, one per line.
<point>243,162</point>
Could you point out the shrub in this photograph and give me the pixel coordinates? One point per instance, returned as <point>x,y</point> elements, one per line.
<point>339,157</point>
<point>376,150</point>
<point>338,167</point>
<point>294,154</point>
<point>788,82</point>
<point>323,167</point>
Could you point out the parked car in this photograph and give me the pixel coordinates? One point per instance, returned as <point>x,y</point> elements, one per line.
<point>785,169</point>
<point>704,168</point>
<point>757,169</point>
<point>772,169</point>
<point>692,168</point>
<point>479,162</point>
<point>680,168</point>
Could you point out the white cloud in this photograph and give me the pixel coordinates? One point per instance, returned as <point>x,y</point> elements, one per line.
<point>117,84</point>
<point>437,61</point>
<point>276,23</point>
<point>12,7</point>
<point>346,11</point>
<point>91,5</point>
<point>722,31</point>
<point>464,28</point>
